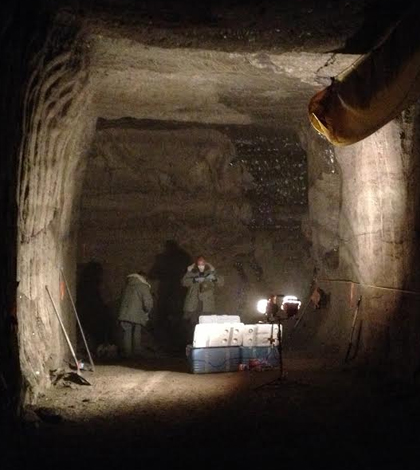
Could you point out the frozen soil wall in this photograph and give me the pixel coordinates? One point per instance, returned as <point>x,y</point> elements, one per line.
<point>57,126</point>
<point>364,219</point>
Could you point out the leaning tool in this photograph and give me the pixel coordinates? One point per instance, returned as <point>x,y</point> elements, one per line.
<point>78,320</point>
<point>350,346</point>
<point>82,379</point>
<point>301,316</point>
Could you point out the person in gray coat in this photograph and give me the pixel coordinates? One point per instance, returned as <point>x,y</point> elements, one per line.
<point>201,279</point>
<point>136,304</point>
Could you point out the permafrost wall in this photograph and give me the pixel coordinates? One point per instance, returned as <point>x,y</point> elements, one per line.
<point>57,129</point>
<point>363,203</point>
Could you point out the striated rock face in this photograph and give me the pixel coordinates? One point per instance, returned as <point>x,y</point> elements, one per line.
<point>57,127</point>
<point>364,222</point>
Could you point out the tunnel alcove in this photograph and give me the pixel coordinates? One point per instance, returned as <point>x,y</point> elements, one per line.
<point>236,194</point>
<point>140,128</point>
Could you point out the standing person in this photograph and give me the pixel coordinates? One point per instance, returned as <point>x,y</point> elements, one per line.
<point>201,279</point>
<point>136,304</point>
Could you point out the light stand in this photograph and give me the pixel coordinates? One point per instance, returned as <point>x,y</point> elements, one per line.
<point>290,307</point>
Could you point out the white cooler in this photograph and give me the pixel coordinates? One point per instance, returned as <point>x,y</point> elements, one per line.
<point>218,334</point>
<point>259,334</point>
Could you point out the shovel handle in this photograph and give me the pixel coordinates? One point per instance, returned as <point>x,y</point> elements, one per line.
<point>78,321</point>
<point>64,331</point>
<point>352,330</point>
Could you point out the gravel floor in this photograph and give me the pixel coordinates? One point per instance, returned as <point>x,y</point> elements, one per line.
<point>155,413</point>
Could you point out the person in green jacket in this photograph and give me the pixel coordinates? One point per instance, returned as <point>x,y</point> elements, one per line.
<point>201,280</point>
<point>136,304</point>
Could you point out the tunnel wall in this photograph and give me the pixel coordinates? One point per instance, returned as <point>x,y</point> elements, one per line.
<point>57,125</point>
<point>22,35</point>
<point>364,205</point>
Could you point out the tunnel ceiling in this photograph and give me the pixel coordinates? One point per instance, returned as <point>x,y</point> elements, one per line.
<point>247,25</point>
<point>226,62</point>
<point>204,86</point>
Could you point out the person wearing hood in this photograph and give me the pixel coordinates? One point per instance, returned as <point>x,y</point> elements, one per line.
<point>136,304</point>
<point>201,280</point>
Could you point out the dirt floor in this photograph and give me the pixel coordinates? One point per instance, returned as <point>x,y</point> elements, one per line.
<point>155,413</point>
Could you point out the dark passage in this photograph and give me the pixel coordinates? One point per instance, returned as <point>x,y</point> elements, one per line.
<point>95,316</point>
<point>168,269</point>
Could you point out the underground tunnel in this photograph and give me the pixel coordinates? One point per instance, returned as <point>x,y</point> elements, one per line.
<point>141,135</point>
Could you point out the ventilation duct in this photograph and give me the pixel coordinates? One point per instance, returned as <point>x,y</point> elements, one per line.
<point>374,90</point>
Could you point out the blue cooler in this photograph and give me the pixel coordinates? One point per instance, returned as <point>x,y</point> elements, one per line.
<point>260,357</point>
<point>213,359</point>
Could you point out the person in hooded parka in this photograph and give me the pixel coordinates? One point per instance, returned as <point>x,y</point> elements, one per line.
<point>201,279</point>
<point>136,305</point>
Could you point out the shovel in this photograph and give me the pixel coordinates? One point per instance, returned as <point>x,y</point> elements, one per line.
<point>81,378</point>
<point>78,321</point>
